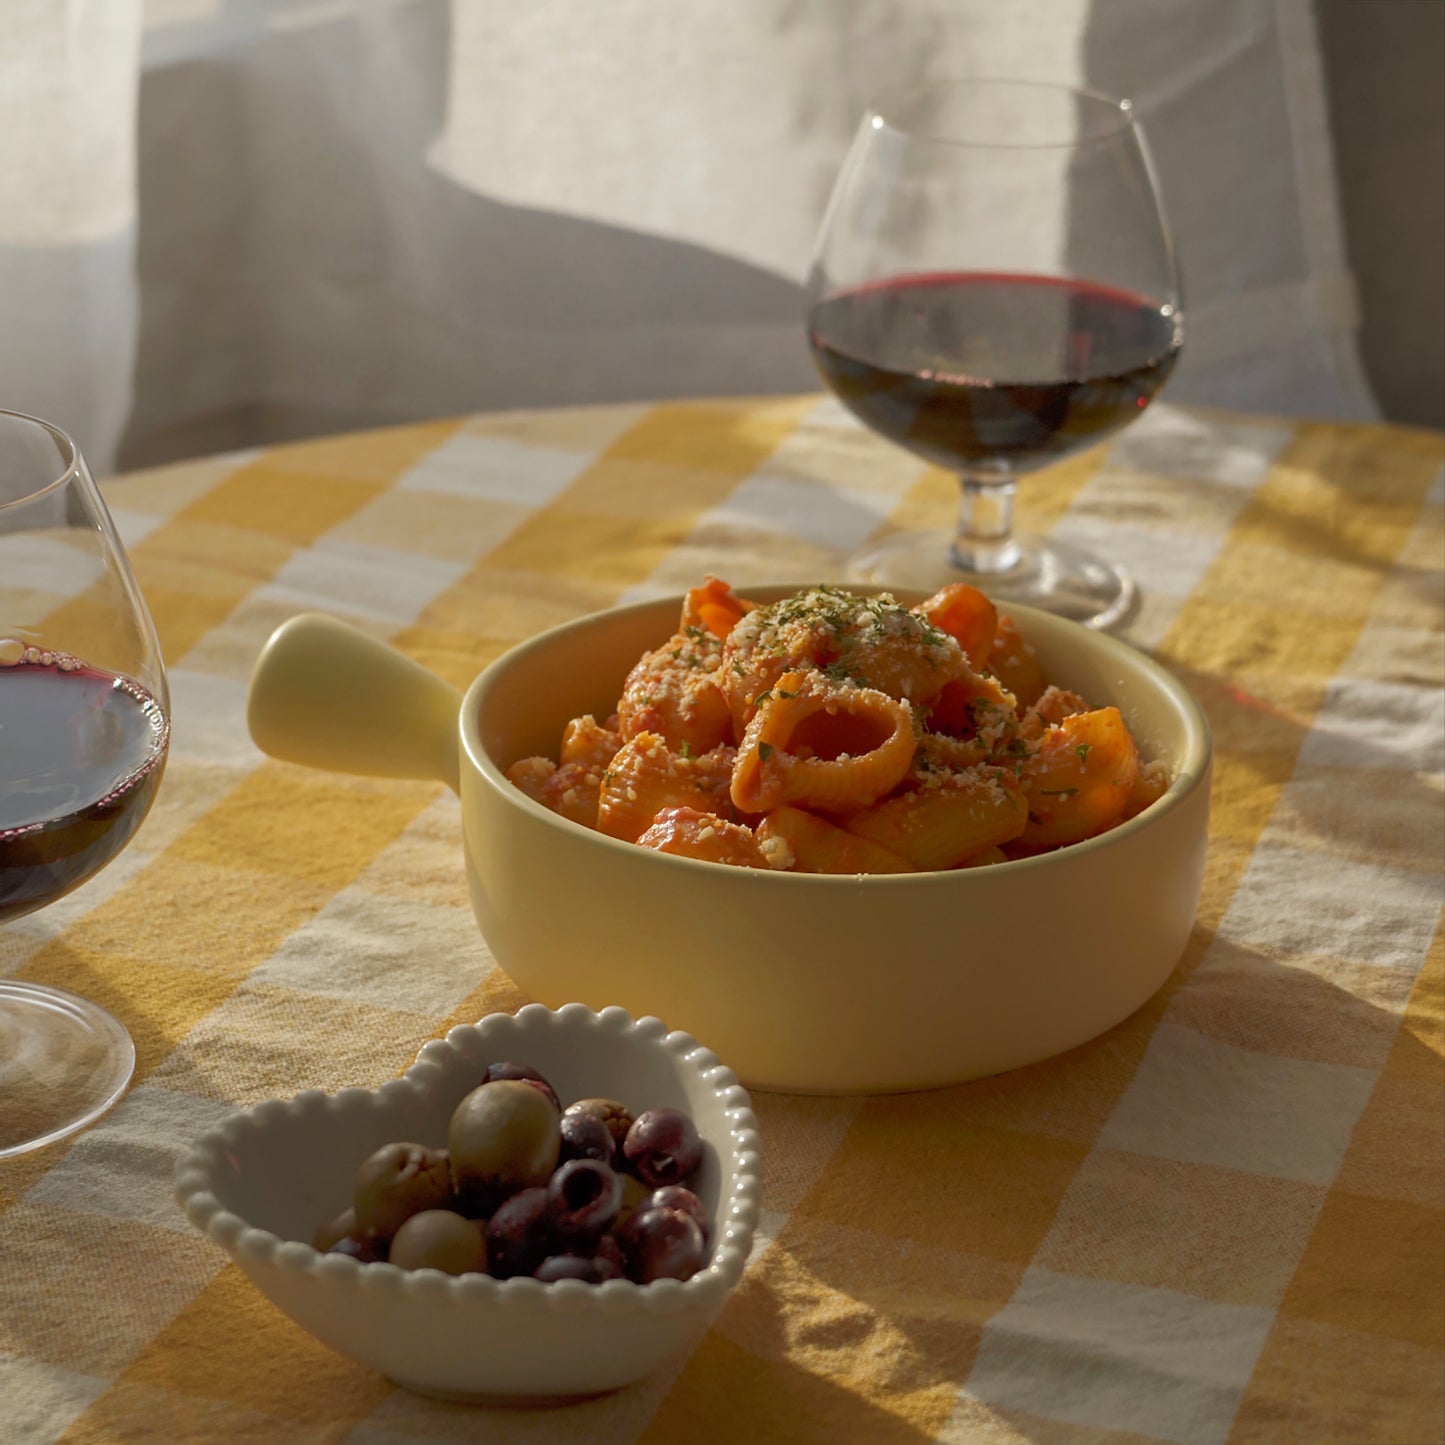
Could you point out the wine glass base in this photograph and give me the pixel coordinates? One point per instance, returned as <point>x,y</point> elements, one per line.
<point>63,1062</point>
<point>1051,576</point>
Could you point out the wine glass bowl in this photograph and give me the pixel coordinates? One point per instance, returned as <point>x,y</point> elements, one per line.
<point>84,734</point>
<point>994,289</point>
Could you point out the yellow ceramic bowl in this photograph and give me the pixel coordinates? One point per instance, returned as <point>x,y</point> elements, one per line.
<point>802,982</point>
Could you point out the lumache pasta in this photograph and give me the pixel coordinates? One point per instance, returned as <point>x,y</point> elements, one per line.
<point>837,733</point>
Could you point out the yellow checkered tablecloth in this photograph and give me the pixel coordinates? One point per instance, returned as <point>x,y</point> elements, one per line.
<point>1223,1221</point>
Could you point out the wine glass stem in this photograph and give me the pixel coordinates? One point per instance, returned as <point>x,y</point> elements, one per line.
<point>984,540</point>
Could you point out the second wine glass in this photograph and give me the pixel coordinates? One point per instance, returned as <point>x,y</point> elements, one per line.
<point>995,288</point>
<point>84,734</point>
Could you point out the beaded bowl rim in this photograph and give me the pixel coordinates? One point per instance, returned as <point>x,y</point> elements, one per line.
<point>436,1063</point>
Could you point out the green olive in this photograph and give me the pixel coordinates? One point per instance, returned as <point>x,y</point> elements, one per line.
<point>397,1181</point>
<point>503,1136</point>
<point>440,1239</point>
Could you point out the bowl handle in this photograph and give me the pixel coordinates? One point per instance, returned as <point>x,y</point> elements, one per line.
<point>325,694</point>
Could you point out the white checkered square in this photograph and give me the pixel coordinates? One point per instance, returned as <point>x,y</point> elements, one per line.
<point>41,1401</point>
<point>122,1167</point>
<point>1168,564</point>
<point>1153,616</point>
<point>45,564</point>
<point>495,469</point>
<point>1118,1358</point>
<point>422,957</point>
<point>1166,442</point>
<point>134,527</point>
<point>1336,907</point>
<point>1378,725</point>
<point>208,721</point>
<point>808,511</point>
<point>832,414</point>
<point>1203,1101</point>
<point>360,580</point>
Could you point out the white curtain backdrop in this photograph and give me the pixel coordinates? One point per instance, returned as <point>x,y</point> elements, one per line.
<point>69,74</point>
<point>226,221</point>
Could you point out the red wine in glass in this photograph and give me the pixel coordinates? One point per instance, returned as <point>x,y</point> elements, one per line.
<point>1016,370</point>
<point>81,756</point>
<point>994,288</point>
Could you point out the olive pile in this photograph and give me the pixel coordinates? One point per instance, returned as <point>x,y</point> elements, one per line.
<point>527,1187</point>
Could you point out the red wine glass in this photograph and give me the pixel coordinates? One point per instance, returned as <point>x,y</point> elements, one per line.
<point>84,727</point>
<point>995,288</point>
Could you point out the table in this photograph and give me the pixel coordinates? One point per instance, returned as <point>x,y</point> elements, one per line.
<point>1222,1221</point>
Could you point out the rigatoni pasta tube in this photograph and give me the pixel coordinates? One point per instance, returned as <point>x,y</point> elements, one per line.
<point>645,777</point>
<point>822,744</point>
<point>689,833</point>
<point>817,846</point>
<point>1079,780</point>
<point>945,825</point>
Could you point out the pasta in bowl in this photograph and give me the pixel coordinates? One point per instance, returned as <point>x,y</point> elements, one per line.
<point>840,980</point>
<point>832,732</point>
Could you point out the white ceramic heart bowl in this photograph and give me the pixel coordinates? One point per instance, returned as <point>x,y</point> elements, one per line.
<point>803,982</point>
<point>261,1183</point>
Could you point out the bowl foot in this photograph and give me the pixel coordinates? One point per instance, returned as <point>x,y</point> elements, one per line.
<point>501,1400</point>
